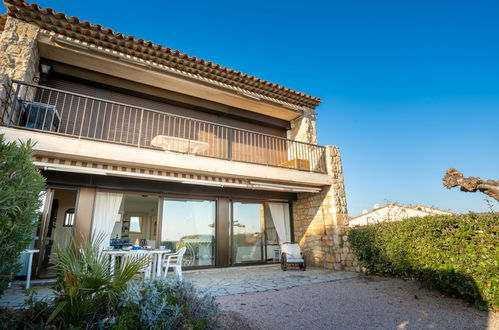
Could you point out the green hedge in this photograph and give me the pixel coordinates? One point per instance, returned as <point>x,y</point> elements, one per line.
<point>20,187</point>
<point>457,254</point>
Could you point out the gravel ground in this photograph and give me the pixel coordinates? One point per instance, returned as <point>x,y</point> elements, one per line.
<point>360,303</point>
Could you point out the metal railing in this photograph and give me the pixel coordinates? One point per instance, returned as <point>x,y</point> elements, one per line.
<point>60,112</point>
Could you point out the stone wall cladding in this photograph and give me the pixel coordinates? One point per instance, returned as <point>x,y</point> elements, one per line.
<point>319,219</point>
<point>18,50</point>
<point>19,59</point>
<point>5,86</point>
<point>346,257</point>
<point>304,128</point>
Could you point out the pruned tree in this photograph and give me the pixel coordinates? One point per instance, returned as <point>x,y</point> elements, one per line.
<point>454,178</point>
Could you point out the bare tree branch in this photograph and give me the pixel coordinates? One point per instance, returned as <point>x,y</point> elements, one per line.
<point>454,178</point>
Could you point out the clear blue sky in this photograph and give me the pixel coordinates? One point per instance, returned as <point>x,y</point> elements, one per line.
<point>410,88</point>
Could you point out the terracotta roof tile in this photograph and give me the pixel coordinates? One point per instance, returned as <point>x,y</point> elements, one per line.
<point>3,19</point>
<point>72,27</point>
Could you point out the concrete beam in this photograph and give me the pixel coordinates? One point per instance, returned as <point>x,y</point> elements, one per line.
<point>74,148</point>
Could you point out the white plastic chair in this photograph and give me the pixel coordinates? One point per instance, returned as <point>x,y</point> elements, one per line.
<point>175,261</point>
<point>147,270</point>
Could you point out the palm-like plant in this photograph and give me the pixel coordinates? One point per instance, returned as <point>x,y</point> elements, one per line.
<point>86,284</point>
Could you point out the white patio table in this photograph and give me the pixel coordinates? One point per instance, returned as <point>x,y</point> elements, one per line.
<point>156,260</point>
<point>30,262</point>
<point>171,143</point>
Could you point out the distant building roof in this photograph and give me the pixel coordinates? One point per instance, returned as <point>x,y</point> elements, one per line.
<point>377,214</point>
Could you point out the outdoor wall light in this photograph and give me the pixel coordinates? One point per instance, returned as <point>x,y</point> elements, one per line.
<point>46,68</point>
<point>45,71</point>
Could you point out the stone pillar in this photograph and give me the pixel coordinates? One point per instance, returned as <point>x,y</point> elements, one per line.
<point>303,128</point>
<point>319,218</point>
<point>337,208</point>
<point>19,50</point>
<point>18,60</point>
<point>5,86</point>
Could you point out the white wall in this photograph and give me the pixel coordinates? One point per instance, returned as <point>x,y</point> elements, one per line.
<point>391,212</point>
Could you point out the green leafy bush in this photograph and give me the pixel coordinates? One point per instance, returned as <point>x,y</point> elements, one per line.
<point>458,254</point>
<point>164,304</point>
<point>86,286</point>
<point>20,187</point>
<point>31,317</point>
<point>88,296</point>
<point>150,304</point>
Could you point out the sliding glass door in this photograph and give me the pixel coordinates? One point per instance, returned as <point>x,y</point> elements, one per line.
<point>190,223</point>
<point>247,232</point>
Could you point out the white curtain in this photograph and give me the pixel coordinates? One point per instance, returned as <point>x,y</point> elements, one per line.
<point>280,217</point>
<point>106,212</point>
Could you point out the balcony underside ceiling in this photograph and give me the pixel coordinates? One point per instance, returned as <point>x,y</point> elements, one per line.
<point>120,160</point>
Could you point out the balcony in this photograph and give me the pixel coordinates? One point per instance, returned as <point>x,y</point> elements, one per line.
<point>58,112</point>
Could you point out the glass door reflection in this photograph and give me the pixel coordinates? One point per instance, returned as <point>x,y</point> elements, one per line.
<point>247,232</point>
<point>190,223</point>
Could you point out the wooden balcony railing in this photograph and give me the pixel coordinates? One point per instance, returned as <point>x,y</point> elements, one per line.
<point>60,112</point>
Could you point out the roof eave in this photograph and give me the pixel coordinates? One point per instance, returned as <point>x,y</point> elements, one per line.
<point>94,33</point>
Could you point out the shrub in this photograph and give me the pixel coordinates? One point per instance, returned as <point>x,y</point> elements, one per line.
<point>458,254</point>
<point>89,296</point>
<point>20,187</point>
<point>164,304</point>
<point>86,287</point>
<point>150,304</point>
<point>32,317</point>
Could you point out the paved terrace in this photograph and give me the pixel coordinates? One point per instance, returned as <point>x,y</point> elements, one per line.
<point>217,282</point>
<point>229,281</point>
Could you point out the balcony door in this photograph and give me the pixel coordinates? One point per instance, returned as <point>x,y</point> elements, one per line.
<point>247,233</point>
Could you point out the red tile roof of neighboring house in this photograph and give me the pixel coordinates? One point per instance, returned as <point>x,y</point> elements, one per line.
<point>73,27</point>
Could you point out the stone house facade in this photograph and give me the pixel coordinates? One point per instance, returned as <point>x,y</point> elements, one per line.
<point>55,66</point>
